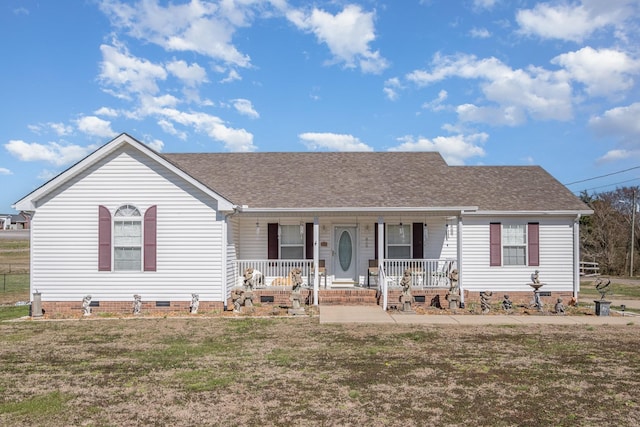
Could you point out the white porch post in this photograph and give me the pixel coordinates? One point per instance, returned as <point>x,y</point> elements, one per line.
<point>576,257</point>
<point>459,250</point>
<point>380,243</point>
<point>225,248</point>
<point>316,261</point>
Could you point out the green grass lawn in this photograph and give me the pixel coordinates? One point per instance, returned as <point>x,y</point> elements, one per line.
<point>13,312</point>
<point>618,290</point>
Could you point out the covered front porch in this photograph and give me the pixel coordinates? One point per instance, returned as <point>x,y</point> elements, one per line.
<point>348,252</point>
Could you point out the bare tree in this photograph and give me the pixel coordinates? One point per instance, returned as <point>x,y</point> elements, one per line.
<point>606,235</point>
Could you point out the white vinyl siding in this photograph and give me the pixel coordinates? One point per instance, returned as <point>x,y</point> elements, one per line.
<point>189,235</point>
<point>556,256</point>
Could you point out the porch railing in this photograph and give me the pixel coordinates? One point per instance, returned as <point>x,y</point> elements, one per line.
<point>425,273</point>
<point>273,269</point>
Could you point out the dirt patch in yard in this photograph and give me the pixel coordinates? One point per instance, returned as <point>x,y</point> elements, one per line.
<point>294,371</point>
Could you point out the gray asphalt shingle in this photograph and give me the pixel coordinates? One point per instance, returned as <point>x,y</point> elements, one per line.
<point>373,180</point>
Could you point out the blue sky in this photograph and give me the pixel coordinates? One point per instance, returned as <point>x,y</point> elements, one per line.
<point>484,82</point>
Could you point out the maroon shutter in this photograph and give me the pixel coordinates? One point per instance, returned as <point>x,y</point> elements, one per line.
<point>418,240</point>
<point>308,240</point>
<point>375,240</point>
<point>150,245</point>
<point>272,248</point>
<point>495,244</point>
<point>533,237</point>
<point>104,239</point>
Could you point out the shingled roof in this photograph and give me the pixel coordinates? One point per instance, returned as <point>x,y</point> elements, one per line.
<point>373,180</point>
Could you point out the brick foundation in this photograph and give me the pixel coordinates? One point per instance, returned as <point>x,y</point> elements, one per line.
<point>74,308</point>
<point>519,298</point>
<point>280,298</point>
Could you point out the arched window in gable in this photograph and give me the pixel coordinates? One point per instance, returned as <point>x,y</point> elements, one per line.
<point>127,239</point>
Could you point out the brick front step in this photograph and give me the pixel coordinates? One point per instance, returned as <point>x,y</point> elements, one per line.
<point>347,297</point>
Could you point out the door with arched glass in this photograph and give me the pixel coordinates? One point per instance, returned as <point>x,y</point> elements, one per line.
<point>344,260</point>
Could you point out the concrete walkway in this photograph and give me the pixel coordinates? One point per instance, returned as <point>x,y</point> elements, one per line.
<point>374,314</point>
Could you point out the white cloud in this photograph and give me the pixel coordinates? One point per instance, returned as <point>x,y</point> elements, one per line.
<point>615,155</point>
<point>604,72</point>
<point>53,152</point>
<point>95,126</point>
<point>536,92</point>
<point>169,128</point>
<point>480,33</point>
<point>231,77</point>
<point>454,149</point>
<point>497,116</point>
<point>155,144</point>
<point>244,106</point>
<point>621,122</point>
<point>574,21</point>
<point>124,71</point>
<point>5,171</point>
<point>484,4</point>
<point>346,34</point>
<point>192,75</point>
<point>436,104</point>
<point>233,139</point>
<point>333,142</point>
<point>47,174</point>
<point>391,87</point>
<point>106,111</point>
<point>203,27</point>
<point>59,129</point>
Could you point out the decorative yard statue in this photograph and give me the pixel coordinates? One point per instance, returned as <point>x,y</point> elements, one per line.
<point>453,296</point>
<point>559,307</point>
<point>535,277</point>
<point>252,278</point>
<point>296,292</point>
<point>406,298</point>
<point>86,305</point>
<point>195,303</point>
<point>507,305</point>
<point>241,298</point>
<point>137,304</point>
<point>485,301</point>
<point>536,285</point>
<point>602,286</point>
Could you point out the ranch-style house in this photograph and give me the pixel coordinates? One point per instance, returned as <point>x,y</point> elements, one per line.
<point>127,220</point>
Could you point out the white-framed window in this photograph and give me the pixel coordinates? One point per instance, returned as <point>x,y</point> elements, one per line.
<point>399,241</point>
<point>127,239</point>
<point>514,244</point>
<point>291,241</point>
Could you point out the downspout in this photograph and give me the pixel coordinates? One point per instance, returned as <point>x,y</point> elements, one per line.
<point>460,275</point>
<point>225,242</point>
<point>316,261</point>
<point>381,273</point>
<point>576,257</point>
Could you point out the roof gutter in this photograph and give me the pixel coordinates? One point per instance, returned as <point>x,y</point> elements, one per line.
<point>247,209</point>
<point>532,213</point>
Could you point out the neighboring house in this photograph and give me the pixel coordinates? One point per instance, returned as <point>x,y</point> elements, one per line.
<point>5,221</point>
<point>14,221</point>
<point>127,220</point>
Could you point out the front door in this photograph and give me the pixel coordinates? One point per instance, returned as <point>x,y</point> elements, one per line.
<point>344,262</point>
